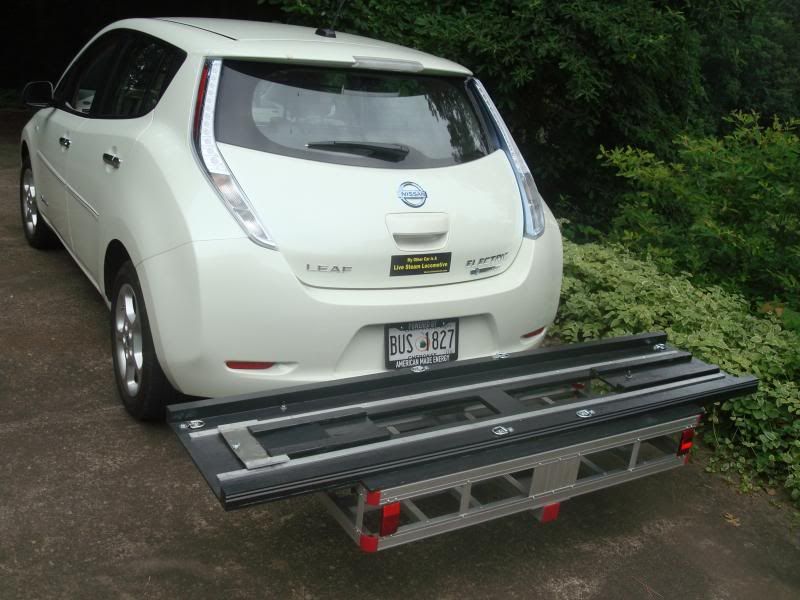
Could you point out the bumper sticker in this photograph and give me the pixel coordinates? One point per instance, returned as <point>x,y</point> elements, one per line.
<point>420,264</point>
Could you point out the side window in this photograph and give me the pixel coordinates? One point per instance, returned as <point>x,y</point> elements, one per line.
<point>83,84</point>
<point>144,72</point>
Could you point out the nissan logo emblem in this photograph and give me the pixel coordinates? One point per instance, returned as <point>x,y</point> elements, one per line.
<point>412,194</point>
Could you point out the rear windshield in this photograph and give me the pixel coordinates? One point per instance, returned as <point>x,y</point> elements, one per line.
<point>364,118</point>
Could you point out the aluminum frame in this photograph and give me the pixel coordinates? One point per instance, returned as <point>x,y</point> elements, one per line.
<point>554,478</point>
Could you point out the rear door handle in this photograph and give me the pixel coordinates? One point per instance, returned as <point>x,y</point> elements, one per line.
<point>111,159</point>
<point>64,141</point>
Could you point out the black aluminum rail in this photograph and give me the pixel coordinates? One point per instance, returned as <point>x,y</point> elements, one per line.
<point>263,447</point>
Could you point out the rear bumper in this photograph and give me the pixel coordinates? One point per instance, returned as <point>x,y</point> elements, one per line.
<point>215,301</point>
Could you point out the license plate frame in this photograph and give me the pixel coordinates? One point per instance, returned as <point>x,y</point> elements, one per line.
<point>416,328</point>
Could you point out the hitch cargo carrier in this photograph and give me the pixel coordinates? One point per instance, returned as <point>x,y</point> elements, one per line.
<point>404,455</point>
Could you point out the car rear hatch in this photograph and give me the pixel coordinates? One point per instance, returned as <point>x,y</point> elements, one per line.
<point>260,448</point>
<point>369,179</point>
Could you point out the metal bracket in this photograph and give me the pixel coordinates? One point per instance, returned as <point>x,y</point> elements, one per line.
<point>247,448</point>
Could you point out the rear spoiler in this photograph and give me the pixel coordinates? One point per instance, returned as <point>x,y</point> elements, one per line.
<point>264,447</point>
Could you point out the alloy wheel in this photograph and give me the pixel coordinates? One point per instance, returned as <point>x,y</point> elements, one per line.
<point>128,339</point>
<point>30,212</point>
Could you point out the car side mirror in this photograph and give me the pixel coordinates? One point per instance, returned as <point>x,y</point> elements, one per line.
<point>38,94</point>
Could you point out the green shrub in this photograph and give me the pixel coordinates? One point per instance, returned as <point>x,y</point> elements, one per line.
<point>608,292</point>
<point>728,210</point>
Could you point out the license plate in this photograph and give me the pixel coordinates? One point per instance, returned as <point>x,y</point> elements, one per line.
<point>421,343</point>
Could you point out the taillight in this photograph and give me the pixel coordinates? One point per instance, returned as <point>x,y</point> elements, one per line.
<point>686,442</point>
<point>390,518</point>
<point>198,107</point>
<point>217,170</point>
<point>532,202</point>
<point>550,512</point>
<point>390,513</point>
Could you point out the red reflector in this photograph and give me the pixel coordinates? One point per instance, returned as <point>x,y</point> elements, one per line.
<point>686,443</point>
<point>533,333</point>
<point>390,518</point>
<point>368,543</point>
<point>247,364</point>
<point>550,512</point>
<point>373,498</point>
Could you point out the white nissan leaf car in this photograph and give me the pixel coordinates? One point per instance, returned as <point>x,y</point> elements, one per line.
<point>264,205</point>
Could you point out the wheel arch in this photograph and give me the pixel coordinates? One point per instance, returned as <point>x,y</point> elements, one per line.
<point>116,255</point>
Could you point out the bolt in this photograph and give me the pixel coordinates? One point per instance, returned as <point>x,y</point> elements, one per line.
<point>235,445</point>
<point>628,374</point>
<point>283,406</point>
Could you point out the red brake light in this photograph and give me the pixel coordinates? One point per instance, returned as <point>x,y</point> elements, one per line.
<point>390,518</point>
<point>248,364</point>
<point>533,333</point>
<point>686,443</point>
<point>213,163</point>
<point>198,105</point>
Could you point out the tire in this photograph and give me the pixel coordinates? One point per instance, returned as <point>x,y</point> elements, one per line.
<point>37,232</point>
<point>141,383</point>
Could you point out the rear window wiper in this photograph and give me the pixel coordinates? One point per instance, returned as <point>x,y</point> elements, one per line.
<point>389,152</point>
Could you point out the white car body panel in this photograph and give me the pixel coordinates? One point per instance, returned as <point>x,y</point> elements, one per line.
<point>213,295</point>
<point>318,334</point>
<point>95,186</point>
<point>338,215</point>
<point>50,164</point>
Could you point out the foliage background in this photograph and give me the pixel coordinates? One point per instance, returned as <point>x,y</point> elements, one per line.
<point>608,292</point>
<point>725,210</point>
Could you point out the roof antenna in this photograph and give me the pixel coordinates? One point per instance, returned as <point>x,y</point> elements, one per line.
<point>329,32</point>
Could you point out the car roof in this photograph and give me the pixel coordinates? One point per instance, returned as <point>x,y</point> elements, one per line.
<point>233,38</point>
